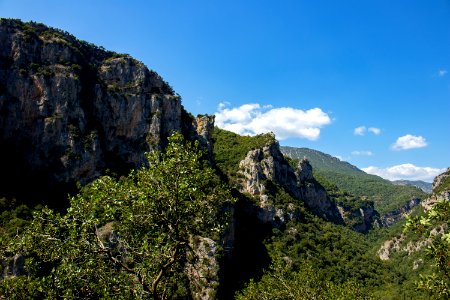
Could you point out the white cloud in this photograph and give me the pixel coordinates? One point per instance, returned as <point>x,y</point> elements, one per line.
<point>442,73</point>
<point>409,142</point>
<point>361,130</point>
<point>285,122</point>
<point>362,153</point>
<point>375,130</point>
<point>405,171</point>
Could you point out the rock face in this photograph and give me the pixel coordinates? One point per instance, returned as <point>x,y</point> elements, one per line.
<point>203,269</point>
<point>267,166</point>
<point>441,190</point>
<point>70,110</point>
<point>392,217</point>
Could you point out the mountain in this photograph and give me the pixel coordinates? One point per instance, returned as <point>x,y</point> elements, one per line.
<point>321,161</point>
<point>70,110</point>
<point>386,196</point>
<point>424,186</point>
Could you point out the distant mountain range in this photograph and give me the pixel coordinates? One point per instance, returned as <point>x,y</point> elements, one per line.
<point>424,186</point>
<point>386,195</point>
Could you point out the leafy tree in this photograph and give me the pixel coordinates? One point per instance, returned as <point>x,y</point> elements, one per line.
<point>128,238</point>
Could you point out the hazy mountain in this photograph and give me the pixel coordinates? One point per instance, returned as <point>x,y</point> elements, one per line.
<point>424,186</point>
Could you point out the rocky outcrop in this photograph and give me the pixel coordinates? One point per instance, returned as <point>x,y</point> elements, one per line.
<point>394,216</point>
<point>203,268</point>
<point>361,217</point>
<point>390,246</point>
<point>266,167</point>
<point>70,110</point>
<point>441,190</point>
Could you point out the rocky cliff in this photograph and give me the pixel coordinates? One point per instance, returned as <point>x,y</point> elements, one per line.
<point>70,110</point>
<point>265,169</point>
<point>441,190</point>
<point>394,216</point>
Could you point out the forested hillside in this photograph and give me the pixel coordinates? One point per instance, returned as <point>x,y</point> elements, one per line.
<point>347,177</point>
<point>163,205</point>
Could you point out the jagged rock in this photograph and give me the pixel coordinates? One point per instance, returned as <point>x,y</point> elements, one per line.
<point>436,196</point>
<point>70,110</point>
<point>360,218</point>
<point>389,246</point>
<point>259,166</point>
<point>267,164</point>
<point>304,170</point>
<point>438,180</point>
<point>394,216</point>
<point>204,126</point>
<point>203,268</point>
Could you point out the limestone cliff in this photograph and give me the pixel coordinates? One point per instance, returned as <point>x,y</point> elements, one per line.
<point>394,216</point>
<point>441,190</point>
<point>70,110</point>
<point>264,169</point>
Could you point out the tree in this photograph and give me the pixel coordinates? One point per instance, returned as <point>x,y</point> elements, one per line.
<point>128,237</point>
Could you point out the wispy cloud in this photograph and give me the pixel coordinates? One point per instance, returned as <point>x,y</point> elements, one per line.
<point>285,122</point>
<point>405,171</point>
<point>409,141</point>
<point>362,153</point>
<point>442,73</point>
<point>361,130</point>
<point>374,130</point>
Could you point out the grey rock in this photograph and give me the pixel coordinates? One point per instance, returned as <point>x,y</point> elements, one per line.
<point>70,110</point>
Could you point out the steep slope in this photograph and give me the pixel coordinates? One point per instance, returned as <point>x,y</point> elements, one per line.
<point>70,110</point>
<point>386,196</point>
<point>256,166</point>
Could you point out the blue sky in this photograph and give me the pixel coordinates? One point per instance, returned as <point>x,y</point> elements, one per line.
<point>311,71</point>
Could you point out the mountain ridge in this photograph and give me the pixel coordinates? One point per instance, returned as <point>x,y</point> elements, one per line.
<point>386,196</point>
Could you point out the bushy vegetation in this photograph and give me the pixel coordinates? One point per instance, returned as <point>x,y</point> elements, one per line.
<point>14,217</point>
<point>230,148</point>
<point>306,283</point>
<point>125,238</point>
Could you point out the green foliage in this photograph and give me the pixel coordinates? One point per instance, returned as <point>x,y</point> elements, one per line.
<point>346,177</point>
<point>305,283</point>
<point>436,284</point>
<point>13,217</point>
<point>126,238</point>
<point>230,148</point>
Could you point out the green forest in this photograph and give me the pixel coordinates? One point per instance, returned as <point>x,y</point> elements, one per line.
<point>132,237</point>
